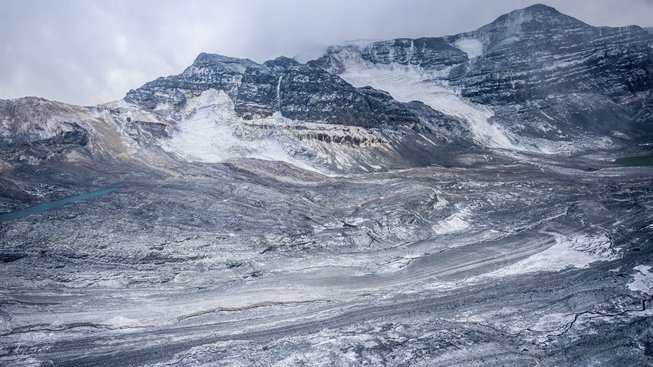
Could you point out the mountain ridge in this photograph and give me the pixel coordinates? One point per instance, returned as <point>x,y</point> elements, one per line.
<point>437,201</point>
<point>545,84</point>
<point>533,80</point>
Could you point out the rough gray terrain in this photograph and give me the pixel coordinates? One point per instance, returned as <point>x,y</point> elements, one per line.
<point>253,263</point>
<point>392,203</point>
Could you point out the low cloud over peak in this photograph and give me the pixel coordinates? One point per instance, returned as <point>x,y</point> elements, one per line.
<point>89,52</point>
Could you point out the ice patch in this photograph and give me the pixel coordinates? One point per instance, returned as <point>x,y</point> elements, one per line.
<point>472,47</point>
<point>452,224</point>
<point>279,95</point>
<point>120,322</point>
<point>411,83</point>
<point>642,280</point>
<point>209,132</point>
<point>568,252</point>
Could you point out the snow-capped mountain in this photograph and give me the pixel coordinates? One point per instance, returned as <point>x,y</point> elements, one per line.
<point>546,82</point>
<point>534,80</point>
<point>285,110</point>
<point>466,200</point>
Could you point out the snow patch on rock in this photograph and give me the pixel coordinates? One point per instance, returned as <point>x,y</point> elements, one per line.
<point>211,132</point>
<point>452,224</point>
<point>577,251</point>
<point>472,47</point>
<point>410,83</point>
<point>122,322</point>
<point>642,280</point>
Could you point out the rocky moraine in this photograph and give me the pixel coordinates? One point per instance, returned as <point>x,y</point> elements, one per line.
<point>474,199</point>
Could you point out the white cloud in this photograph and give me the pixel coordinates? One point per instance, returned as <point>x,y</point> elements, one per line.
<point>93,51</point>
<point>121,45</point>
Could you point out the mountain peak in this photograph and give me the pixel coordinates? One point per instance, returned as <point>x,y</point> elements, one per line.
<point>283,62</point>
<point>537,14</point>
<point>207,59</point>
<point>534,21</point>
<point>541,8</point>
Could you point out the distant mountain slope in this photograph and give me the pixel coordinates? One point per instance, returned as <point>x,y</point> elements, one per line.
<point>553,83</point>
<point>534,80</point>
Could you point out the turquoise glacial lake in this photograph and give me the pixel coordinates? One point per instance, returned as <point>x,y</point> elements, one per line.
<point>54,204</point>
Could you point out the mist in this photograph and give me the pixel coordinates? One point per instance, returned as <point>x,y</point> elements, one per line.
<point>90,52</point>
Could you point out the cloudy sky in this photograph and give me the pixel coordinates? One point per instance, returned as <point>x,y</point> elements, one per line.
<point>93,51</point>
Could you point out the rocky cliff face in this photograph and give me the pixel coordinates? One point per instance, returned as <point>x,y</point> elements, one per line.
<point>553,83</point>
<point>538,52</point>
<point>36,130</point>
<point>28,134</point>
<point>299,113</point>
<point>543,60</point>
<point>534,80</point>
<point>295,91</point>
<point>285,110</point>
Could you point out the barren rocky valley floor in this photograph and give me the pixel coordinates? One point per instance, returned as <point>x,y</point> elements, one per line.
<point>507,264</point>
<point>287,214</point>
